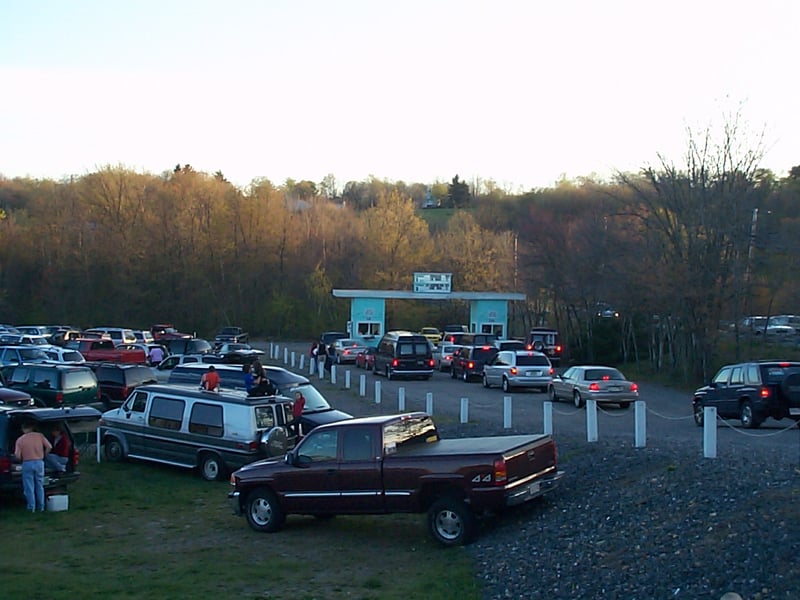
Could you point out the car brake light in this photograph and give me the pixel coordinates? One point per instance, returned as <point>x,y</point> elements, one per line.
<point>552,370</point>
<point>75,456</point>
<point>500,472</point>
<point>558,350</point>
<point>513,370</point>
<point>634,387</point>
<point>470,365</point>
<point>395,362</point>
<point>431,362</point>
<point>594,387</point>
<point>59,397</point>
<point>765,392</point>
<point>5,464</point>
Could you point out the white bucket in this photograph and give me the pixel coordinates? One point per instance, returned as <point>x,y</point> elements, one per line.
<point>57,502</point>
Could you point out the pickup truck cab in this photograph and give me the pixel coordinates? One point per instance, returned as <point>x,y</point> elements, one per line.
<point>103,350</point>
<point>396,464</point>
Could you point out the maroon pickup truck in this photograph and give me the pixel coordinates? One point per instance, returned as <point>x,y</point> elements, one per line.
<point>396,464</point>
<point>104,351</point>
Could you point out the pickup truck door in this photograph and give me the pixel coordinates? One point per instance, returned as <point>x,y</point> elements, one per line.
<point>344,475</point>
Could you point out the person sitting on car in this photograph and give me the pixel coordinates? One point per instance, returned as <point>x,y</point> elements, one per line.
<point>210,379</point>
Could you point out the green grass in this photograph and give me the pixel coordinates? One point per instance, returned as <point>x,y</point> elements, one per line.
<point>137,530</point>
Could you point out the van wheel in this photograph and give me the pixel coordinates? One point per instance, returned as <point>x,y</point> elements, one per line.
<point>451,521</point>
<point>211,467</point>
<point>113,450</point>
<point>263,511</point>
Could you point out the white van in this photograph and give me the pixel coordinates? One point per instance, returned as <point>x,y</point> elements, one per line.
<point>215,432</point>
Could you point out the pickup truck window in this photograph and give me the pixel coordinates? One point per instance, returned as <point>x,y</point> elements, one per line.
<point>407,432</point>
<point>357,444</point>
<point>320,446</point>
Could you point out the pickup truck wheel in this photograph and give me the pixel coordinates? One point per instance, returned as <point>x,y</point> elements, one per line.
<point>211,467</point>
<point>699,413</point>
<point>263,511</point>
<point>113,450</point>
<point>747,417</point>
<point>576,398</point>
<point>451,521</point>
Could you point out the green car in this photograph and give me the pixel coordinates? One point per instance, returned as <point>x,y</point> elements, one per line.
<point>54,385</point>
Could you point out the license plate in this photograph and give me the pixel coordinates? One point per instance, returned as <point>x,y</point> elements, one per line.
<point>533,373</point>
<point>794,411</point>
<point>534,488</point>
<point>614,388</point>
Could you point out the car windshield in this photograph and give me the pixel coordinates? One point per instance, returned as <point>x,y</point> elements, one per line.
<point>314,400</point>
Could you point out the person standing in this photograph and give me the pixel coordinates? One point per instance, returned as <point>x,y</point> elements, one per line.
<point>30,450</point>
<point>156,356</point>
<point>297,411</point>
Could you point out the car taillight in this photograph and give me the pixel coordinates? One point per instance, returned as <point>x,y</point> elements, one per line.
<point>513,370</point>
<point>634,387</point>
<point>594,387</point>
<point>395,362</point>
<point>5,464</point>
<point>500,472</point>
<point>765,393</point>
<point>558,349</point>
<point>347,351</point>
<point>470,365</point>
<point>552,371</point>
<point>59,397</point>
<point>431,362</point>
<point>75,456</point>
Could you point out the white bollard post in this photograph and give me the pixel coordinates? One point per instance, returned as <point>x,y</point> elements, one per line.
<point>377,392</point>
<point>548,417</point>
<point>362,385</point>
<point>640,420</point>
<point>591,420</point>
<point>98,445</point>
<point>401,399</point>
<point>464,410</point>
<point>293,360</point>
<point>507,412</point>
<point>347,379</point>
<point>429,403</point>
<point>302,362</point>
<point>286,356</point>
<point>333,374</point>
<point>710,432</point>
<point>312,366</point>
<point>321,369</point>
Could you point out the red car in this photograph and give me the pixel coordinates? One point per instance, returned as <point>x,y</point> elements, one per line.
<point>366,359</point>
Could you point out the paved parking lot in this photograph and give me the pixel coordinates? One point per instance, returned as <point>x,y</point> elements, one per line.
<point>668,413</point>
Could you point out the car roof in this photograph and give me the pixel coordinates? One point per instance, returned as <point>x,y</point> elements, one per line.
<point>53,414</point>
<point>277,374</point>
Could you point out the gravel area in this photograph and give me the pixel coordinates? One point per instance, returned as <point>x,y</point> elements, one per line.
<point>650,523</point>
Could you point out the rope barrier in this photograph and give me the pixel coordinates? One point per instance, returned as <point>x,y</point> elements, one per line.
<point>610,414</point>
<point>762,434</point>
<point>667,417</point>
<point>567,414</point>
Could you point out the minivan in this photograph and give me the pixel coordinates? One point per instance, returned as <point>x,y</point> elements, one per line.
<point>54,384</point>
<point>118,335</point>
<point>215,432</point>
<point>316,412</point>
<point>403,354</point>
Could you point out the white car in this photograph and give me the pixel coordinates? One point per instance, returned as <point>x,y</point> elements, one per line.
<point>63,355</point>
<point>443,356</point>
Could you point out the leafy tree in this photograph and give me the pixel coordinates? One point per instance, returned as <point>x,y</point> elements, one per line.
<point>458,195</point>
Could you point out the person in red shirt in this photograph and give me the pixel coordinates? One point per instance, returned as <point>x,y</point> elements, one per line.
<point>210,379</point>
<point>30,449</point>
<point>59,455</point>
<point>297,411</point>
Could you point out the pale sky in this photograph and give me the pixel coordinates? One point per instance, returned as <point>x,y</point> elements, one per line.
<point>519,92</point>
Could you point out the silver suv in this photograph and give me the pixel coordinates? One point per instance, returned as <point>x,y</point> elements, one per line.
<point>518,368</point>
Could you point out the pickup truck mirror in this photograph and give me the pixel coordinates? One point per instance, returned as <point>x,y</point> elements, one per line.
<point>303,461</point>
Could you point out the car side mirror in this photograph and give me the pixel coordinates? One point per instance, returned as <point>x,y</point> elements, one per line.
<point>303,461</point>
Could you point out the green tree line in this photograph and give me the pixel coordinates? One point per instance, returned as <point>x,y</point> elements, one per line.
<point>676,249</point>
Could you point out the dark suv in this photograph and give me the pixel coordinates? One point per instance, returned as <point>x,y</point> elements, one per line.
<point>11,397</point>
<point>117,380</point>
<point>752,392</point>
<point>74,421</point>
<point>54,384</point>
<point>468,361</point>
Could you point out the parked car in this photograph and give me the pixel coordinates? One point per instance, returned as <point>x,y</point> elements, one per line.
<point>510,345</point>
<point>403,354</point>
<point>54,384</point>
<point>545,339</point>
<point>605,385</point>
<point>63,355</point>
<point>43,330</point>
<point>214,432</point>
<point>317,410</point>
<point>117,380</point>
<point>328,337</point>
<point>346,350</point>
<point>751,392</point>
<point>72,422</point>
<point>12,397</point>
<point>432,333</point>
<point>232,334</point>
<point>237,353</point>
<point>167,331</point>
<point>366,358</point>
<point>15,355</point>
<point>468,361</point>
<point>118,335</point>
<point>187,346</point>
<point>143,336</point>
<point>511,369</point>
<point>443,356</point>
<point>165,367</point>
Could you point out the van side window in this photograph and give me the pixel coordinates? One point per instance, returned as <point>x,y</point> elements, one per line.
<point>139,402</point>
<point>166,413</point>
<point>206,419</point>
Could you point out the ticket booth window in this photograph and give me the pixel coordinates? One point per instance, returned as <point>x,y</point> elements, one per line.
<point>494,328</point>
<point>368,329</point>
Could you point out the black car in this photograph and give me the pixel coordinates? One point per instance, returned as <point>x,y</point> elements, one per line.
<point>73,421</point>
<point>117,380</point>
<point>468,361</point>
<point>11,397</point>
<point>317,411</point>
<point>752,392</point>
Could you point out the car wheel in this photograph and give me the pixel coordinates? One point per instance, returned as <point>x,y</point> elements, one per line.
<point>211,467</point>
<point>698,410</point>
<point>506,386</point>
<point>263,511</point>
<point>388,372</point>
<point>451,521</point>
<point>486,381</point>
<point>624,405</point>
<point>747,417</point>
<point>576,398</point>
<point>465,376</point>
<point>113,450</point>
<point>551,394</point>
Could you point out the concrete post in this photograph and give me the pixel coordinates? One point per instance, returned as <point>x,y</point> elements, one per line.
<point>710,432</point>
<point>548,417</point>
<point>507,412</point>
<point>640,420</point>
<point>591,420</point>
<point>464,410</point>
